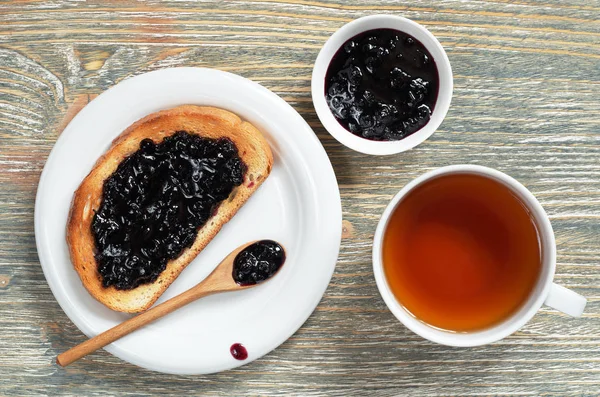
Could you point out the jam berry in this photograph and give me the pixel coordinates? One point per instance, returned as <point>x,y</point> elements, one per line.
<point>382,85</point>
<point>258,262</point>
<point>155,202</point>
<point>238,351</point>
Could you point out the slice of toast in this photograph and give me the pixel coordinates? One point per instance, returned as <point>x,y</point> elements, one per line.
<point>207,122</point>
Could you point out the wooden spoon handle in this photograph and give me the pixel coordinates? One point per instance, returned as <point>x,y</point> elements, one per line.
<point>131,325</point>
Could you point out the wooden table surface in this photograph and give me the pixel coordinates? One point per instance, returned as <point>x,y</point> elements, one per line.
<point>526,101</point>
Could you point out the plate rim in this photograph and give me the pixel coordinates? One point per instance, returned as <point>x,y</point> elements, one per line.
<point>42,249</point>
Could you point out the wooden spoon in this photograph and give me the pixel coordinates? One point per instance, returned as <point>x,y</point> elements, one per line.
<point>220,280</point>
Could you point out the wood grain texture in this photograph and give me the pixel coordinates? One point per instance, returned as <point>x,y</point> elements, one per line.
<point>526,101</point>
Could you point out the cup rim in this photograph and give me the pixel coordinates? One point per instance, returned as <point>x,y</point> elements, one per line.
<point>351,29</point>
<point>508,325</point>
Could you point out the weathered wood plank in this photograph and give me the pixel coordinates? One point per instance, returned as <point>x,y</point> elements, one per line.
<point>526,101</point>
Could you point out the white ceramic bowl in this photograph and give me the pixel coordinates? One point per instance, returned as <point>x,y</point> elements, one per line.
<point>354,28</point>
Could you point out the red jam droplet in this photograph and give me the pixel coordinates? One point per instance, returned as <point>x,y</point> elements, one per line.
<point>238,351</point>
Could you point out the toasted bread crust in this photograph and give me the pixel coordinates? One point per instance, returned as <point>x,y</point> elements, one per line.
<point>207,122</point>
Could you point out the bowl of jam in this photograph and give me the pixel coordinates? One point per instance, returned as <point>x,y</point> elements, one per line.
<point>382,84</point>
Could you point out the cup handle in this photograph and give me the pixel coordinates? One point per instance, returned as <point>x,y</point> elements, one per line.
<point>565,300</point>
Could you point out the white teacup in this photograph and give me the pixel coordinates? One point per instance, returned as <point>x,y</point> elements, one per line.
<point>544,292</point>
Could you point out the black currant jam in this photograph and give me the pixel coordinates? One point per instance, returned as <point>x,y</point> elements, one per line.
<point>382,85</point>
<point>238,351</point>
<point>155,202</point>
<point>258,262</point>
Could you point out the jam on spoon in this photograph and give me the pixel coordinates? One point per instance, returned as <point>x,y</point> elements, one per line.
<point>258,262</point>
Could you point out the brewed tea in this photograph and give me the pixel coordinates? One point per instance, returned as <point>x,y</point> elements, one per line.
<point>461,252</point>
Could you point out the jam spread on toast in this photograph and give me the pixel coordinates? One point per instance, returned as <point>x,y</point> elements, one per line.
<point>382,85</point>
<point>156,201</point>
<point>258,262</point>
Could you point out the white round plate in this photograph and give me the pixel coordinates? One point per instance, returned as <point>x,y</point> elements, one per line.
<point>298,205</point>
